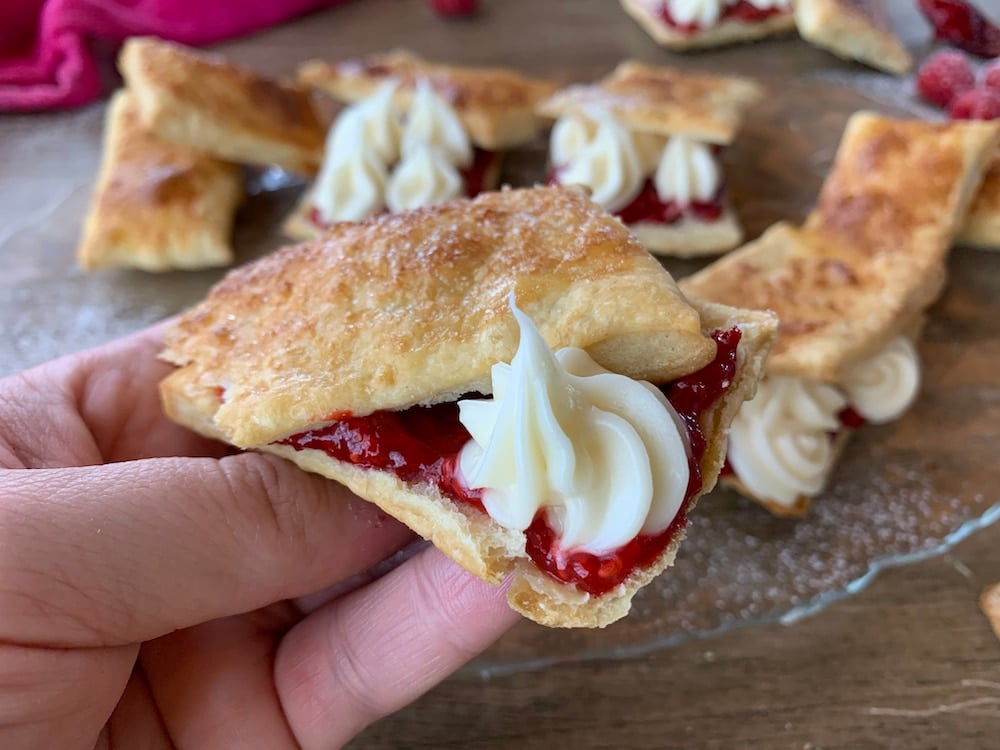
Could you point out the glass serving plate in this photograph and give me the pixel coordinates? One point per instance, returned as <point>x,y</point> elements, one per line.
<point>902,491</point>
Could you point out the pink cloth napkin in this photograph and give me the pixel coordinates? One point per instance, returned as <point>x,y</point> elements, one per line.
<point>47,47</point>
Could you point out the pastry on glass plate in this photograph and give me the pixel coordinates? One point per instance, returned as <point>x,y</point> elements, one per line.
<point>513,376</point>
<point>647,142</point>
<point>157,206</point>
<point>696,24</point>
<point>853,29</point>
<point>850,289</point>
<point>200,100</point>
<point>414,133</point>
<point>982,227</point>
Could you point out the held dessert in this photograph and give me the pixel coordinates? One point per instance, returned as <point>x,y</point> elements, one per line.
<point>694,24</point>
<point>850,289</point>
<point>853,29</point>
<point>157,206</point>
<point>513,377</point>
<point>647,143</point>
<point>200,100</point>
<point>414,134</point>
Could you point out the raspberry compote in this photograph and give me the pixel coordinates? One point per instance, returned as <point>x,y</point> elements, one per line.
<point>743,11</point>
<point>421,445</point>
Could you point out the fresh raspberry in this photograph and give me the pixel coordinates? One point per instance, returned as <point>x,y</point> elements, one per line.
<point>991,76</point>
<point>453,7</point>
<point>945,75</point>
<point>977,104</point>
<point>961,24</point>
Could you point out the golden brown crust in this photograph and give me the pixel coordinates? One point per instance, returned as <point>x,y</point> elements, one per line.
<point>202,101</point>
<point>989,602</point>
<point>837,303</point>
<point>871,255</point>
<point>157,206</point>
<point>299,227</point>
<point>903,185</point>
<point>853,29</point>
<point>727,32</point>
<point>982,226</point>
<point>496,105</point>
<point>663,100</point>
<point>690,237</point>
<point>429,290</point>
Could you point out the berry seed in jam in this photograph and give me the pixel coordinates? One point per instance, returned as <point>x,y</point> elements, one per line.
<point>421,444</point>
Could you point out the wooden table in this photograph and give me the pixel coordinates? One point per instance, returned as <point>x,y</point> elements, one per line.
<point>909,662</point>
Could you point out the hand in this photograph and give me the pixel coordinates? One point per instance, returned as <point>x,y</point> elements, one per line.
<point>157,592</point>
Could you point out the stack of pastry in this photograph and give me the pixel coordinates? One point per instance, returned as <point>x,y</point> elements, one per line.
<point>850,288</point>
<point>169,183</point>
<point>646,141</point>
<point>415,133</point>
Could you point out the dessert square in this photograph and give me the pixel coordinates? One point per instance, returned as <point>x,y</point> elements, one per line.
<point>698,24</point>
<point>157,206</point>
<point>855,30</point>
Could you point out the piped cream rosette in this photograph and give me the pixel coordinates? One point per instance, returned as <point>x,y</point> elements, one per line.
<point>781,444</point>
<point>597,150</point>
<point>705,14</point>
<point>377,158</point>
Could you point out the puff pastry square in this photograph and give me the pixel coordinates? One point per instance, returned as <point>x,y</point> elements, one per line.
<point>871,256</point>
<point>157,206</point>
<point>665,101</point>
<point>853,29</point>
<point>414,311</point>
<point>202,101</point>
<point>982,226</point>
<point>729,31</point>
<point>496,105</point>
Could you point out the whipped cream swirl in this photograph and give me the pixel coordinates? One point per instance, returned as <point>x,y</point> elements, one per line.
<point>422,178</point>
<point>780,443</point>
<point>351,184</point>
<point>605,455</point>
<point>609,164</point>
<point>687,172</point>
<point>701,13</point>
<point>432,121</point>
<point>883,387</point>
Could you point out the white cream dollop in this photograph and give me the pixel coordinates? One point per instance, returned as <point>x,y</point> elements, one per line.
<point>882,387</point>
<point>703,13</point>
<point>351,184</point>
<point>380,123</point>
<point>570,136</point>
<point>609,165</point>
<point>687,172</point>
<point>780,443</point>
<point>606,455</point>
<point>424,177</point>
<point>432,121</point>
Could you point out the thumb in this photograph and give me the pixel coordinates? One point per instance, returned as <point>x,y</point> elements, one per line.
<point>121,553</point>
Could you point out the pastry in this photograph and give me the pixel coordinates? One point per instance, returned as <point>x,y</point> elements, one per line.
<point>989,602</point>
<point>377,356</point>
<point>202,101</point>
<point>982,226</point>
<point>853,29</point>
<point>415,133</point>
<point>696,24</point>
<point>850,288</point>
<point>647,143</point>
<point>157,206</point>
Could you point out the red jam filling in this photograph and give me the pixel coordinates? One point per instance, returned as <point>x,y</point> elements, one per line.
<point>743,11</point>
<point>647,207</point>
<point>474,176</point>
<point>850,418</point>
<point>421,444</point>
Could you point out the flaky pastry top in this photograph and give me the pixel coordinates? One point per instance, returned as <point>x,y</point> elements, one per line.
<point>413,308</point>
<point>496,105</point>
<point>663,100</point>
